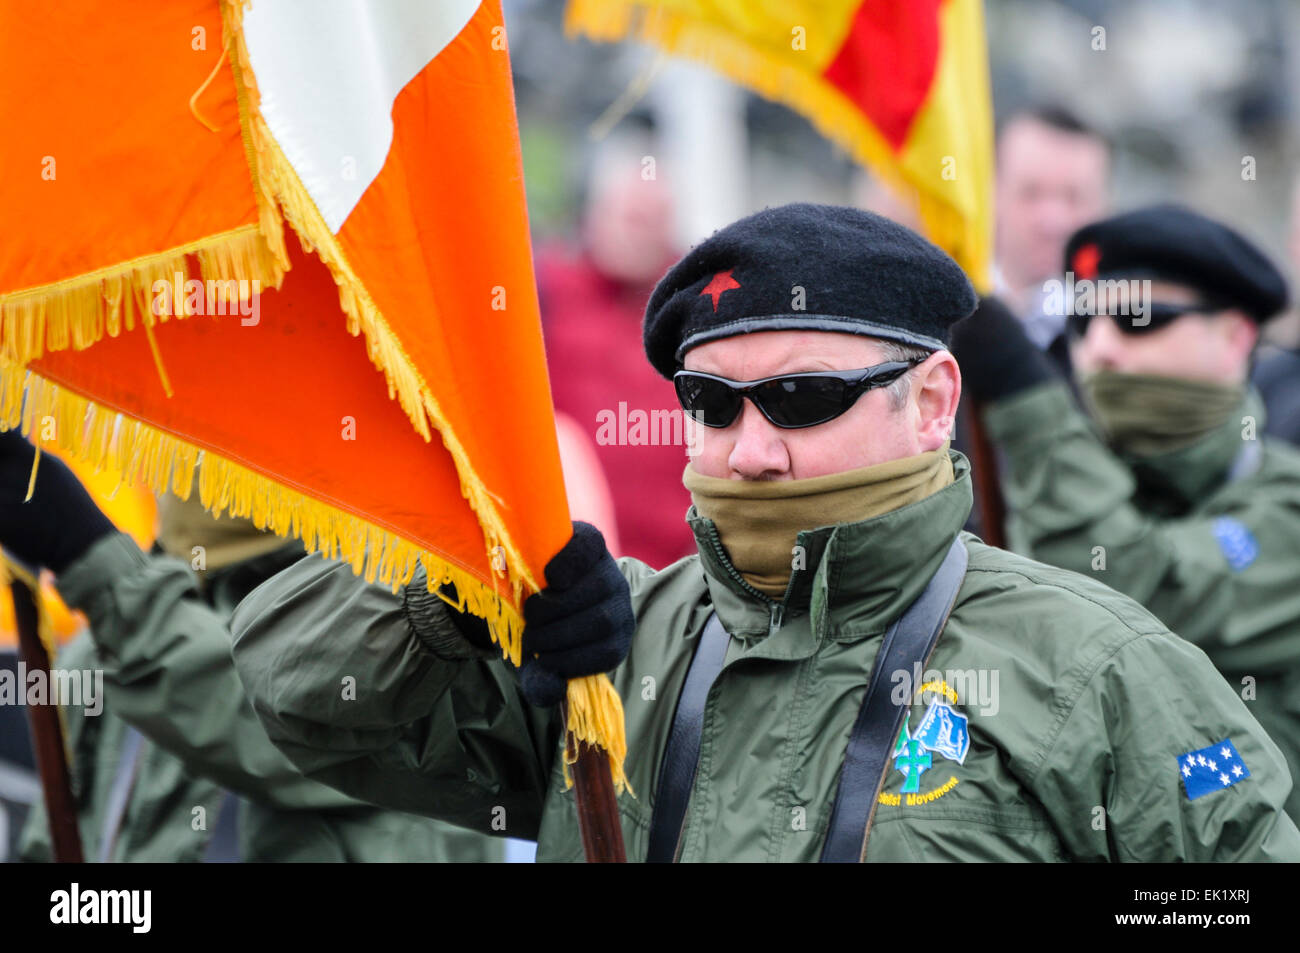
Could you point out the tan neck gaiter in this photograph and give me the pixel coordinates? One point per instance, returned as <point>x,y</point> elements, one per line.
<point>1145,415</point>
<point>759,521</point>
<point>184,524</point>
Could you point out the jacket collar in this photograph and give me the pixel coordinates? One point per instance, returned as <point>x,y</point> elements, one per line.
<point>851,580</point>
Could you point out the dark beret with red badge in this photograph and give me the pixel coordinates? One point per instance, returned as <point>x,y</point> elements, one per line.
<point>807,267</point>
<point>1174,244</point>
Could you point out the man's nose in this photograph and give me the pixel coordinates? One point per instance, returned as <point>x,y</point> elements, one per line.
<point>759,452</point>
<point>1103,344</point>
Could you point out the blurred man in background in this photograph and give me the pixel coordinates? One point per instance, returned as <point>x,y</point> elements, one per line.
<point>592,299</point>
<point>1277,364</point>
<point>1175,499</point>
<point>1053,177</point>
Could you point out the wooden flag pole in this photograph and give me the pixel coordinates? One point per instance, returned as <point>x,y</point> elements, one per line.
<point>47,734</point>
<point>984,473</point>
<point>602,835</point>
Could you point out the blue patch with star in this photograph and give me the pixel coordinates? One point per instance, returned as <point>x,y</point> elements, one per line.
<point>1237,542</point>
<point>1211,769</point>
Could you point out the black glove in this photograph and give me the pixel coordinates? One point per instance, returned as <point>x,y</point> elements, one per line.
<point>580,624</point>
<point>59,523</point>
<point>996,357</point>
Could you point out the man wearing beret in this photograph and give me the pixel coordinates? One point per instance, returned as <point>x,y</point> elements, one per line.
<point>1170,493</point>
<point>1055,719</point>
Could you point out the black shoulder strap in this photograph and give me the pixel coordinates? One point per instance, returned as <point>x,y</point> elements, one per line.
<point>911,639</point>
<point>677,773</point>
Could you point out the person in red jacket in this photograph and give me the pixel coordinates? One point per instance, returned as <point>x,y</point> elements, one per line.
<point>592,299</point>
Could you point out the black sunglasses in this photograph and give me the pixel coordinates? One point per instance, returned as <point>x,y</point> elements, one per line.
<point>790,401</point>
<point>1158,314</point>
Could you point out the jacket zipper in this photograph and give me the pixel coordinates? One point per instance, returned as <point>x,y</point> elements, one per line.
<point>776,616</point>
<point>776,610</point>
<point>778,613</point>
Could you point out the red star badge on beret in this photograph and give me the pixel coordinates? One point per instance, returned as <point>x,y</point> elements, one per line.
<point>721,282</point>
<point>1086,259</point>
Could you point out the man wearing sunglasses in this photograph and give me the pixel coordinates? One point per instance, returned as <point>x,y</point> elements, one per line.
<point>1052,720</point>
<point>1170,494</point>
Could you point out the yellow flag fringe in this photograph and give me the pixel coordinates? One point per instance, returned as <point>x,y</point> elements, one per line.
<point>104,439</point>
<point>596,711</point>
<point>77,312</point>
<point>596,717</point>
<point>109,441</point>
<point>834,115</point>
<point>596,714</point>
<point>405,383</point>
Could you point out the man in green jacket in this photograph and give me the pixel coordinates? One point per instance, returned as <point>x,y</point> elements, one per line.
<point>1055,719</point>
<point>169,762</point>
<point>1170,494</point>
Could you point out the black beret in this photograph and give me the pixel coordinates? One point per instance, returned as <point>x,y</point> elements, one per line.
<point>859,273</point>
<point>1172,243</point>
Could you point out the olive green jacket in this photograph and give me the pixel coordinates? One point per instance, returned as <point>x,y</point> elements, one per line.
<point>163,646</point>
<point>1207,538</point>
<point>1079,704</point>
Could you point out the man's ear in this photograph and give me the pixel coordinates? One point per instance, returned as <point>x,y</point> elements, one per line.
<point>937,386</point>
<point>1240,335</point>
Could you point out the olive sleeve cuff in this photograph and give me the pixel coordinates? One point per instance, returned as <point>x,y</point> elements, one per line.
<point>107,559</point>
<point>434,625</point>
<point>1024,422</point>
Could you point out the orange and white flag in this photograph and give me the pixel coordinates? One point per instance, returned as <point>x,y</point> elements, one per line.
<point>285,245</point>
